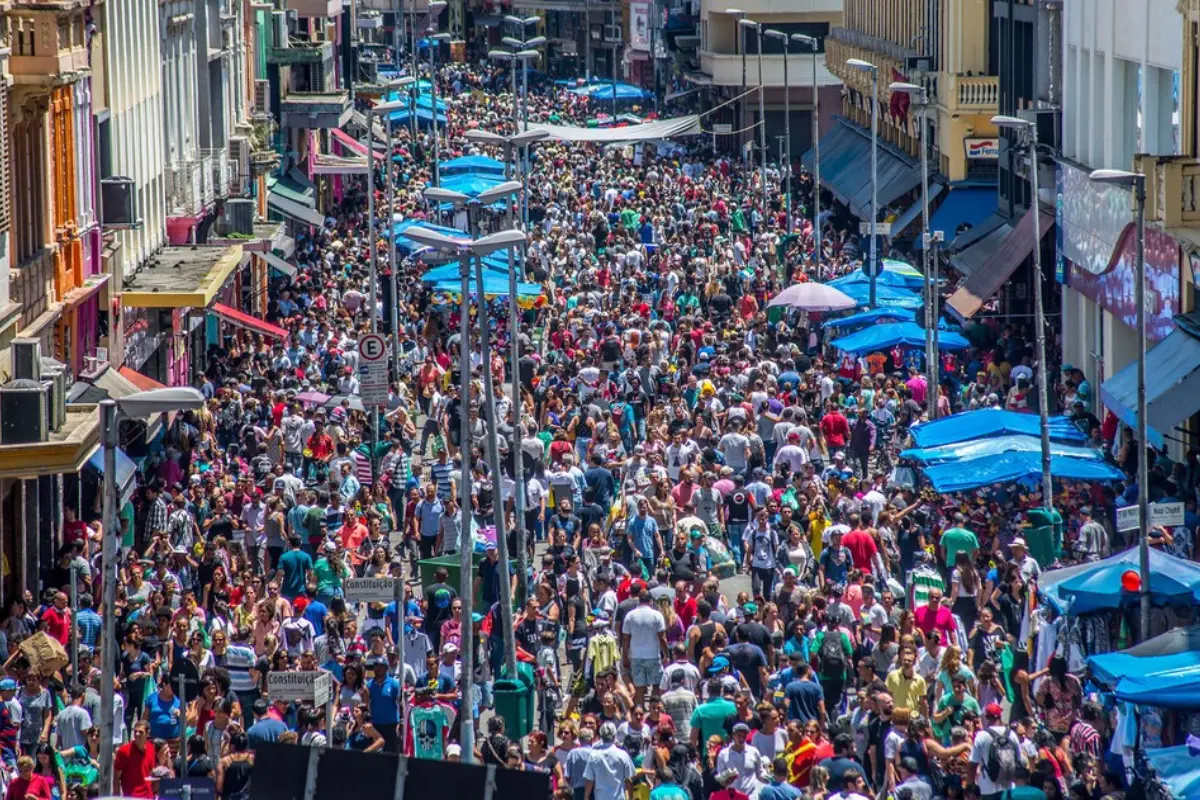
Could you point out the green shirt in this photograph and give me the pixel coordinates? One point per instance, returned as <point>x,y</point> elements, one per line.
<point>329,579</point>
<point>847,648</point>
<point>709,718</point>
<point>1023,793</point>
<point>957,540</point>
<point>956,716</point>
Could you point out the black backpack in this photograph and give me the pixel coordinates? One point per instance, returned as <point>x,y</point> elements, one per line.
<point>831,657</point>
<point>1003,758</point>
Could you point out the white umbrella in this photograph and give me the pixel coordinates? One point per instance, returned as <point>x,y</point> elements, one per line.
<point>813,297</point>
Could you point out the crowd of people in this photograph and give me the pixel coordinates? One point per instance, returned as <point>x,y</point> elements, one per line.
<point>676,434</point>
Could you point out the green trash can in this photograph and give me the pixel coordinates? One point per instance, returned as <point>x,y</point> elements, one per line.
<point>429,566</point>
<point>1044,536</point>
<point>513,701</point>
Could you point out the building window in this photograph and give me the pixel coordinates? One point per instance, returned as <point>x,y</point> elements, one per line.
<point>774,47</point>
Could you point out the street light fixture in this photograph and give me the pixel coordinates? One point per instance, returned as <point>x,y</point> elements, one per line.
<point>813,43</point>
<point>741,14</point>
<point>1026,138</point>
<point>866,66</point>
<point>1137,181</point>
<point>387,109</point>
<point>134,406</point>
<point>787,123</point>
<point>762,114</point>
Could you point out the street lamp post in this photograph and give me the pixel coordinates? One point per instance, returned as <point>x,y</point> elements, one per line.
<point>931,311</point>
<point>466,249</point>
<point>1137,182</point>
<point>787,126</point>
<point>134,406</point>
<point>812,42</point>
<point>388,109</point>
<point>859,64</point>
<point>762,114</point>
<point>433,11</point>
<point>740,44</point>
<point>1026,136</point>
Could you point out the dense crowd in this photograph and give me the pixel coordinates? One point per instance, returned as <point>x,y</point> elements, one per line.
<point>675,433</point>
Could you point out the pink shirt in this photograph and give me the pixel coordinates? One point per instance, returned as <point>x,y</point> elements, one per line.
<point>917,386</point>
<point>927,620</point>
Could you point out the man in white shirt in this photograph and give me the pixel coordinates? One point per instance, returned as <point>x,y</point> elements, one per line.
<point>680,453</point>
<point>981,749</point>
<point>609,769</point>
<point>744,762</point>
<point>644,644</point>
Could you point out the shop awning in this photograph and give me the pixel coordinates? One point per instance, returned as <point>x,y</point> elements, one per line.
<point>982,285</point>
<point>297,211</point>
<point>912,212</point>
<point>972,258</point>
<point>968,205</point>
<point>295,186</point>
<point>284,245</point>
<point>126,472</point>
<point>1172,386</point>
<point>278,263</point>
<point>846,168</point>
<point>243,320</point>
<point>328,164</point>
<point>142,382</point>
<point>352,144</point>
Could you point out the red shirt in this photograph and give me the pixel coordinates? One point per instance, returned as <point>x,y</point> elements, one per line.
<point>134,767</point>
<point>928,621</point>
<point>75,531</point>
<point>835,429</point>
<point>862,549</point>
<point>37,786</point>
<point>60,623</point>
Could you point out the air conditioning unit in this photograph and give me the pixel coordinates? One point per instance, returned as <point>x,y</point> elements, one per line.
<point>612,33</point>
<point>238,216</point>
<point>262,95</point>
<point>27,359</point>
<point>24,414</point>
<point>55,379</point>
<point>118,203</point>
<point>239,156</point>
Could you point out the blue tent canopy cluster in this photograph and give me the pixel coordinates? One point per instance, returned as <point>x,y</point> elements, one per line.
<point>883,337</point>
<point>886,296</point>
<point>888,277</point>
<point>604,90</point>
<point>987,422</point>
<point>1177,768</point>
<point>472,165</point>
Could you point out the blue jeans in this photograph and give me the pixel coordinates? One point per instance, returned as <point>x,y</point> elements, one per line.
<point>733,533</point>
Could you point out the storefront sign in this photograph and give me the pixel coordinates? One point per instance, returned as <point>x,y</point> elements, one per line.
<point>985,149</point>
<point>639,26</point>
<point>1094,215</point>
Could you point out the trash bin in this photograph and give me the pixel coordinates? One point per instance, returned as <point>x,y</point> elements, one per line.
<point>513,700</point>
<point>1044,536</point>
<point>429,566</point>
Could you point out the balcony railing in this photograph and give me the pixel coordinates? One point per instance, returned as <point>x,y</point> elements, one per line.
<point>219,160</point>
<point>872,44</point>
<point>1172,190</point>
<point>980,93</point>
<point>184,188</point>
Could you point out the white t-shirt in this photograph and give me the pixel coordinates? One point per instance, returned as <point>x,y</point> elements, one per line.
<point>981,748</point>
<point>733,447</point>
<point>643,625</point>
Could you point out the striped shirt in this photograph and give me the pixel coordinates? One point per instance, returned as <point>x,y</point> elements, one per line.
<point>443,477</point>
<point>89,623</point>
<point>238,659</point>
<point>1085,739</point>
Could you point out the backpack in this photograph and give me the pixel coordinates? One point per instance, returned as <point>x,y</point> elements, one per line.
<point>831,657</point>
<point>1002,758</point>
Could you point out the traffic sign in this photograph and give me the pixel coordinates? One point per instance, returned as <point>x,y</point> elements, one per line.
<point>722,128</point>
<point>369,590</point>
<point>372,347</point>
<point>314,686</point>
<point>1166,515</point>
<point>881,228</point>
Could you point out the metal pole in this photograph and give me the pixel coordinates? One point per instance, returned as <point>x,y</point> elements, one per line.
<point>816,137</point>
<point>1040,323</point>
<point>514,325</point>
<point>787,132</point>
<point>926,240</point>
<point>466,547</point>
<point>75,627</point>
<point>616,48</point>
<point>489,407</point>
<point>109,563</point>
<point>434,44</point>
<point>181,691</point>
<point>398,36</point>
<point>1143,479</point>
<point>390,226</point>
<point>398,594</point>
<point>512,64</point>
<point>741,45</point>
<point>587,42</point>
<point>874,177</point>
<point>934,302</point>
<point>762,126</point>
<point>374,289</point>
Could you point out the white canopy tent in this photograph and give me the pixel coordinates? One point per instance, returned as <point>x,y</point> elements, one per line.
<point>646,132</point>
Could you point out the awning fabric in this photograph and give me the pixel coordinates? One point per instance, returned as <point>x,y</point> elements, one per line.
<point>971,259</point>
<point>1008,468</point>
<point>885,336</point>
<point>992,445</point>
<point>885,295</point>
<point>248,322</point>
<point>478,165</point>
<point>296,211</point>
<point>982,285</point>
<point>1177,767</point>
<point>329,164</point>
<point>846,168</point>
<point>1172,386</point>
<point>293,186</point>
<point>969,205</point>
<point>913,212</point>
<point>126,472</point>
<point>864,318</point>
<point>1173,580</point>
<point>646,132</point>
<point>970,425</point>
<point>278,263</point>
<point>144,383</point>
<point>284,245</point>
<point>352,144</point>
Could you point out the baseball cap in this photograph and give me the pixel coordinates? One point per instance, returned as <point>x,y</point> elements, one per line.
<point>449,647</point>
<point>453,750</point>
<point>8,685</point>
<point>741,727</point>
<point>490,546</point>
<point>750,608</point>
<point>993,710</point>
<point>718,664</point>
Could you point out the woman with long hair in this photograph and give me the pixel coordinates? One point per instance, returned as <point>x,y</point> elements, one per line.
<point>964,589</point>
<point>362,735</point>
<point>1059,697</point>
<point>951,667</point>
<point>48,765</point>
<point>675,630</point>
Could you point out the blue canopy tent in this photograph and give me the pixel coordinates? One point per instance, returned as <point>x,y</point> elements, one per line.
<point>895,334</point>
<point>1006,468</point>
<point>976,448</point>
<point>492,265</point>
<point>424,117</point>
<point>1173,581</point>
<point>407,245</point>
<point>493,286</point>
<point>863,318</point>
<point>1176,649</point>
<point>889,277</point>
<point>604,91</point>
<point>890,296</point>
<point>472,165</point>
<point>472,184</point>
<point>986,422</point>
<point>1177,768</point>
<point>424,98</point>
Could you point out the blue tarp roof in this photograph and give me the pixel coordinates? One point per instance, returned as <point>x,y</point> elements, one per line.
<point>472,165</point>
<point>1017,443</point>
<point>424,98</point>
<point>991,422</point>
<point>870,317</point>
<point>1172,386</point>
<point>1007,468</point>
<point>860,292</point>
<point>492,264</point>
<point>1172,580</point>
<point>893,334</point>
<point>424,116</point>
<point>604,91</point>
<point>493,285</point>
<point>408,245</point>
<point>473,184</point>
<point>889,277</point>
<point>968,204</point>
<point>1178,768</point>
